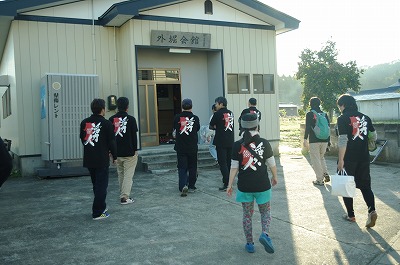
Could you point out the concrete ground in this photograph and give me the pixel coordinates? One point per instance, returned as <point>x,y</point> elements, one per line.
<point>49,222</point>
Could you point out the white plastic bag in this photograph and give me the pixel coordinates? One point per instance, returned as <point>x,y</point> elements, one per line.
<point>343,185</point>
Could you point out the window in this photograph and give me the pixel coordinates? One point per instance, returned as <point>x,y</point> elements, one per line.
<point>6,100</point>
<point>263,84</point>
<point>159,75</point>
<point>238,84</point>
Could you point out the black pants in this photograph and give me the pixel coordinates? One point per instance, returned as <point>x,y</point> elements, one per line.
<point>369,199</point>
<point>187,169</point>
<point>224,155</point>
<point>361,173</point>
<point>99,178</point>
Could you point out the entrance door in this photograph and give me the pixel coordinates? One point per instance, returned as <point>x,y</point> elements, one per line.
<point>148,115</point>
<point>159,101</point>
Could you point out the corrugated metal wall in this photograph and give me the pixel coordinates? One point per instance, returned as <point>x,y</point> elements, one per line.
<point>57,48</point>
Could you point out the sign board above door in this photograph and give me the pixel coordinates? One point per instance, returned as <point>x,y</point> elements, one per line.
<point>180,39</point>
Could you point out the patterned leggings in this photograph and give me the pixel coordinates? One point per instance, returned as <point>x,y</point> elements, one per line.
<point>248,210</point>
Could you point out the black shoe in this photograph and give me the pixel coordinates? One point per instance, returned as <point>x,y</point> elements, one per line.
<point>223,188</point>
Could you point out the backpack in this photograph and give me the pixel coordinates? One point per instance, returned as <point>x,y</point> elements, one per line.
<point>321,129</point>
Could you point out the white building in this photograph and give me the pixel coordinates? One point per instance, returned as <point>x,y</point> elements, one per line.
<point>381,104</point>
<point>155,52</point>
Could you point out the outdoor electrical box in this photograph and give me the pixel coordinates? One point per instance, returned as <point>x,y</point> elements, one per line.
<point>65,102</point>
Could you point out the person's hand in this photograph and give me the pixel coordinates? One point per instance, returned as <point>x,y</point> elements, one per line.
<point>274,181</point>
<point>229,191</point>
<point>340,165</point>
<point>305,143</point>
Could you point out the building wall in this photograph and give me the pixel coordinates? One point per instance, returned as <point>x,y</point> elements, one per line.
<point>9,127</point>
<point>81,9</point>
<point>381,109</point>
<point>253,52</point>
<point>41,48</point>
<point>38,48</point>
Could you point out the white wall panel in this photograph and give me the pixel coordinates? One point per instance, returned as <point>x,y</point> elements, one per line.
<point>80,9</point>
<point>70,49</point>
<point>195,10</point>
<point>56,48</point>
<point>10,127</point>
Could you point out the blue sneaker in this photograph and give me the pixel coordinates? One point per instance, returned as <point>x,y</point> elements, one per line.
<point>249,247</point>
<point>266,241</point>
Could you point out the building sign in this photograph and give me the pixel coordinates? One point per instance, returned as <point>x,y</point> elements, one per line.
<point>180,39</point>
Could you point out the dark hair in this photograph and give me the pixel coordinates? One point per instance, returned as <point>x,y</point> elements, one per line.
<point>347,101</point>
<point>122,103</point>
<point>213,107</point>
<point>97,105</point>
<point>222,100</point>
<point>253,101</point>
<point>315,102</point>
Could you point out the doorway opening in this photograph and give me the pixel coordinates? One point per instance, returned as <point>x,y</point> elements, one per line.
<point>159,101</point>
<point>168,105</point>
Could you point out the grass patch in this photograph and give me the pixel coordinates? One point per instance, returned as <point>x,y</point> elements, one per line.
<point>15,173</point>
<point>290,135</point>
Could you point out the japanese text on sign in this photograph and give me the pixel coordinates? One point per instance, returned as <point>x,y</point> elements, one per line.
<point>56,104</point>
<point>180,39</point>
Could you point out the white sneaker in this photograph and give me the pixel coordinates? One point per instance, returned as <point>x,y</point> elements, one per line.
<point>184,191</point>
<point>127,201</point>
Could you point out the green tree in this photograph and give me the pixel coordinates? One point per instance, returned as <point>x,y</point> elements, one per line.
<point>290,90</point>
<point>324,77</point>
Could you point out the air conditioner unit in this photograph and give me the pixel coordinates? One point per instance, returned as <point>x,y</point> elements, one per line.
<point>65,102</point>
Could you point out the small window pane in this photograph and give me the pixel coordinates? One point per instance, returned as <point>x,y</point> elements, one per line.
<point>233,87</point>
<point>258,84</point>
<point>6,101</point>
<point>244,84</point>
<point>269,84</point>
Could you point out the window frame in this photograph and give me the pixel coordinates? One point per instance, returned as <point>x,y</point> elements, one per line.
<point>6,101</point>
<point>238,88</point>
<point>268,81</point>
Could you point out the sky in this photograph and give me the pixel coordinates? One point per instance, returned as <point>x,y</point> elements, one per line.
<point>365,31</point>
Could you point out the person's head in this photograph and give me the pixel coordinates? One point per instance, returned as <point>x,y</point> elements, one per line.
<point>314,103</point>
<point>122,104</point>
<point>346,101</point>
<point>187,104</point>
<point>220,102</point>
<point>252,102</point>
<point>248,122</point>
<point>213,108</point>
<point>97,106</point>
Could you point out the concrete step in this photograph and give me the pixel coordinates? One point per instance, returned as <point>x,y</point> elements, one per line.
<point>162,159</point>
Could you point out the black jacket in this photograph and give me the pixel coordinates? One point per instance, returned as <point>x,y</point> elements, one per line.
<point>186,126</point>
<point>356,126</point>
<point>5,163</point>
<point>253,174</point>
<point>97,136</point>
<point>310,123</point>
<point>223,119</point>
<point>125,131</point>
